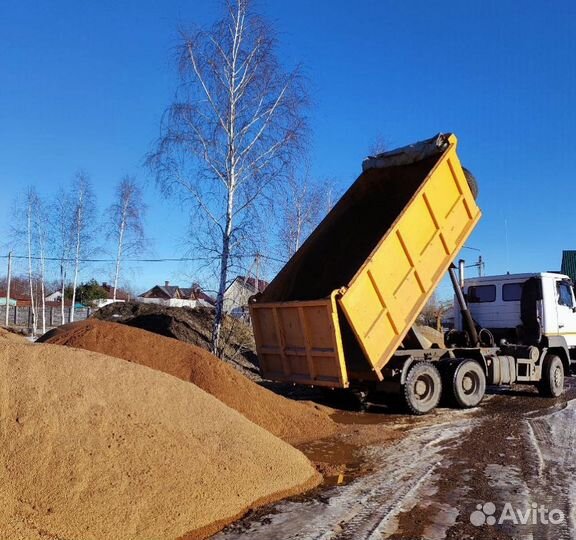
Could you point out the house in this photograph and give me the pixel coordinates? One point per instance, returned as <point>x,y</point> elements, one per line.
<point>19,291</point>
<point>176,296</point>
<point>121,296</point>
<point>238,292</point>
<point>54,296</point>
<point>569,264</point>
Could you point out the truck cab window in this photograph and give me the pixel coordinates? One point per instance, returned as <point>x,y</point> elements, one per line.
<point>512,292</point>
<point>478,294</point>
<point>564,294</point>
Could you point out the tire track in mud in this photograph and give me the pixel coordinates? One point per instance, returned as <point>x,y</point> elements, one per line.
<point>522,451</point>
<point>554,439</point>
<point>516,448</point>
<point>368,505</point>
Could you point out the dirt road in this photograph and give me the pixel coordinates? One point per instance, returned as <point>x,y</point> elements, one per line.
<point>504,470</point>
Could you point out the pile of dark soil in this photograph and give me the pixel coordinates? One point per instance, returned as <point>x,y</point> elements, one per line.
<point>191,325</point>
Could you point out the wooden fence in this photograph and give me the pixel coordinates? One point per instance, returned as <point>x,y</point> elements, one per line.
<point>21,316</point>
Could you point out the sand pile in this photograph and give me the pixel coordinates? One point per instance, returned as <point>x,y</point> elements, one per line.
<point>292,421</point>
<point>8,335</point>
<point>432,335</point>
<point>191,325</point>
<point>93,447</point>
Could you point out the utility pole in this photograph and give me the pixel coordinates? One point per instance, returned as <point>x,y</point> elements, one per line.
<point>9,277</point>
<point>480,266</point>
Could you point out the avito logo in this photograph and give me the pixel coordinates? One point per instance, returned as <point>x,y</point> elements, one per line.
<point>485,514</point>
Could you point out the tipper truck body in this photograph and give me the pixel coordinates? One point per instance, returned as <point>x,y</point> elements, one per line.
<point>341,312</point>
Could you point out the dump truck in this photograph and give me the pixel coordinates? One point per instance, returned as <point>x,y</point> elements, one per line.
<point>341,313</point>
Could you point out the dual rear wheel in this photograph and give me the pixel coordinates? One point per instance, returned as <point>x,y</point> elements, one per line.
<point>463,382</point>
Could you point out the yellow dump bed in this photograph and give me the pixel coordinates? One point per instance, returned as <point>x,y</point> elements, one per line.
<point>342,305</point>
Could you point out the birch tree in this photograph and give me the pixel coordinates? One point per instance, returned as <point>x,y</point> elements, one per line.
<point>83,216</point>
<point>40,224</point>
<point>303,206</point>
<point>125,223</point>
<point>235,124</point>
<point>62,240</point>
<point>30,231</point>
<point>31,198</point>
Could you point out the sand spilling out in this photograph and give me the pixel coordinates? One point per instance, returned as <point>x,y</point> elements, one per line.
<point>293,421</point>
<point>94,447</point>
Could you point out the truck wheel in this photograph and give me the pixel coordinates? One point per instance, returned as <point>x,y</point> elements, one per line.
<point>552,383</point>
<point>423,388</point>
<point>468,384</point>
<point>472,183</point>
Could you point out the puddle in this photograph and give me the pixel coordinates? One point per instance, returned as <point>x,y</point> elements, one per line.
<point>339,462</point>
<point>362,418</point>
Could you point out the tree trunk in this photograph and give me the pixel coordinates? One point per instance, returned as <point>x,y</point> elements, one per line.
<point>42,275</point>
<point>119,254</point>
<point>219,310</point>
<point>62,291</point>
<point>76,259</point>
<point>30,276</point>
<point>42,290</point>
<point>224,261</point>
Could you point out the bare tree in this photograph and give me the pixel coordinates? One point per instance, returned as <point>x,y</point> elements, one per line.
<point>125,225</point>
<point>434,311</point>
<point>82,225</point>
<point>29,230</point>
<point>40,224</point>
<point>62,240</point>
<point>303,206</point>
<point>236,122</point>
<point>379,145</point>
<point>31,197</point>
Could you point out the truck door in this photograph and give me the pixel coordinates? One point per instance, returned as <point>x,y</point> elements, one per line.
<point>565,310</point>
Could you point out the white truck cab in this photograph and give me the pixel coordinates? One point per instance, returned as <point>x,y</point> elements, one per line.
<point>535,309</point>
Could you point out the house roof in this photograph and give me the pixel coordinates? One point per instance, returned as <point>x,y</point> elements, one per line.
<point>167,290</point>
<point>569,264</point>
<point>185,293</point>
<point>16,295</point>
<point>120,294</point>
<point>250,283</point>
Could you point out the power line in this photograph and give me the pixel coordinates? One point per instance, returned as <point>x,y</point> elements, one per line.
<point>168,259</point>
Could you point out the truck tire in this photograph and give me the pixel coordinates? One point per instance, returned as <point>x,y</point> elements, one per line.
<point>472,183</point>
<point>423,388</point>
<point>552,383</point>
<point>468,384</point>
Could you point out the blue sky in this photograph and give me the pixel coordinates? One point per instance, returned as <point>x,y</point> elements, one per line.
<point>83,85</point>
